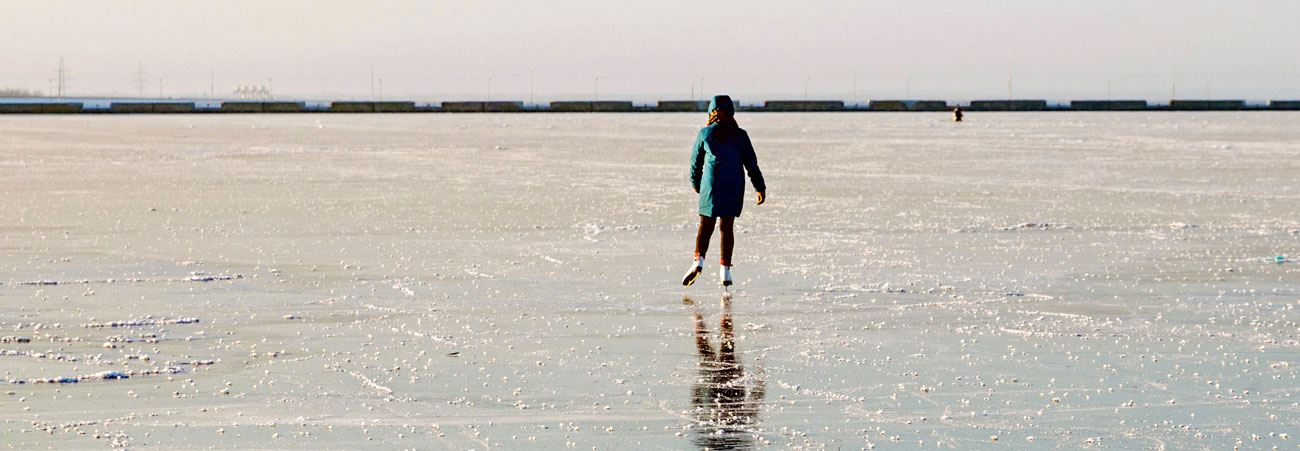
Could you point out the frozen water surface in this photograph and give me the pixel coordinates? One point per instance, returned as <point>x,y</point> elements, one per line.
<point>510,281</point>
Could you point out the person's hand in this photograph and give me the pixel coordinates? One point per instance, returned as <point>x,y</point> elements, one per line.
<point>697,190</point>
<point>762,197</point>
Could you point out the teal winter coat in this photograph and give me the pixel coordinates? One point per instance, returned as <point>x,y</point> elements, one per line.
<point>721,157</point>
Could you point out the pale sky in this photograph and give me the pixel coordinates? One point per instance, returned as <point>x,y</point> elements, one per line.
<point>648,50</point>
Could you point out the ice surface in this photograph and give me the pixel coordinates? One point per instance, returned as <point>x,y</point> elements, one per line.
<point>510,281</point>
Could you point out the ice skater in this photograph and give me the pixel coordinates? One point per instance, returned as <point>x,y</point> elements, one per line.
<point>721,157</point>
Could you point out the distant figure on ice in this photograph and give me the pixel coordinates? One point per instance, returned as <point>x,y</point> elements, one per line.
<point>719,160</point>
<point>956,113</point>
<point>726,398</point>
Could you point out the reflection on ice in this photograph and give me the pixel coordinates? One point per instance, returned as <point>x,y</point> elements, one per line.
<point>725,398</point>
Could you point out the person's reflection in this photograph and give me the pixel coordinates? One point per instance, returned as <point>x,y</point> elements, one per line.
<point>724,399</point>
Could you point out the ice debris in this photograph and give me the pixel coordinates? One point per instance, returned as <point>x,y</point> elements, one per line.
<point>1034,225</point>
<point>141,322</point>
<point>101,376</point>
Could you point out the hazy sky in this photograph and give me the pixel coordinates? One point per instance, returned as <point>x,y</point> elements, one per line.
<point>648,50</point>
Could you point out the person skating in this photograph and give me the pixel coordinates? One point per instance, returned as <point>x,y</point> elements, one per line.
<point>721,157</point>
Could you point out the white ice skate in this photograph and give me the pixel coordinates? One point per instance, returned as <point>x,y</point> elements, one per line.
<point>724,275</point>
<point>694,272</point>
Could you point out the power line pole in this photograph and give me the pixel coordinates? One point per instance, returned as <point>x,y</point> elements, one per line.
<point>1173,86</point>
<point>63,78</point>
<point>212,84</point>
<point>372,82</point>
<point>139,78</point>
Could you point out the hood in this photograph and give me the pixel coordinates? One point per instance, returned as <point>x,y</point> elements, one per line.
<point>721,103</point>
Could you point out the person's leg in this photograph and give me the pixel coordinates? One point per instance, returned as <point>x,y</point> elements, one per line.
<point>703,236</point>
<point>701,248</point>
<point>725,226</point>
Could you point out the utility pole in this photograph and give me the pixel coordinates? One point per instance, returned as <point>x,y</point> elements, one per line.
<point>530,87</point>
<point>1010,91</point>
<point>372,82</point>
<point>489,95</point>
<point>212,84</point>
<point>63,78</point>
<point>595,94</point>
<point>139,78</point>
<point>1173,86</point>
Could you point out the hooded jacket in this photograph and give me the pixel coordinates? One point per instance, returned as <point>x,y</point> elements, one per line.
<point>721,157</point>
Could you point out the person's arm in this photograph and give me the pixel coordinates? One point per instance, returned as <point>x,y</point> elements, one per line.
<point>697,161</point>
<point>750,161</point>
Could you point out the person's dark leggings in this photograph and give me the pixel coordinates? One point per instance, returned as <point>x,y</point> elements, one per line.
<point>702,237</point>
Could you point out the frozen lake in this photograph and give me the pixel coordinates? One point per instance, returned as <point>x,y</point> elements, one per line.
<point>511,281</point>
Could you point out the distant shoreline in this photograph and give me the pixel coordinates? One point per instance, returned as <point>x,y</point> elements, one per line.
<point>26,106</point>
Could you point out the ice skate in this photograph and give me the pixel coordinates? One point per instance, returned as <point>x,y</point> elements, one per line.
<point>693,273</point>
